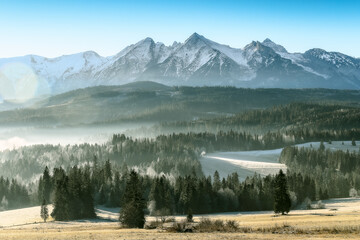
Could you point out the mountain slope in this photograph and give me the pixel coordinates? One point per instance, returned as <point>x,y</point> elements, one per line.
<point>196,62</point>
<point>152,102</point>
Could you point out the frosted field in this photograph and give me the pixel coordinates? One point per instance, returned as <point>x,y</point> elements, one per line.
<point>245,163</point>
<point>265,162</point>
<point>21,216</point>
<point>31,215</point>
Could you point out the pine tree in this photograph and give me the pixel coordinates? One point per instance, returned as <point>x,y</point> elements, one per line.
<point>74,190</point>
<point>88,210</point>
<point>61,199</point>
<point>217,182</point>
<point>282,202</point>
<point>187,196</point>
<point>44,213</point>
<point>116,193</point>
<point>132,212</point>
<point>108,172</point>
<point>41,189</point>
<point>47,185</point>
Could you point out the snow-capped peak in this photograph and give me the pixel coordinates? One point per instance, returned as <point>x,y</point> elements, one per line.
<point>276,47</point>
<point>146,40</point>
<point>195,40</point>
<point>200,41</point>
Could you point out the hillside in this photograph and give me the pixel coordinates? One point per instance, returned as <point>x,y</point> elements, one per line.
<point>153,102</point>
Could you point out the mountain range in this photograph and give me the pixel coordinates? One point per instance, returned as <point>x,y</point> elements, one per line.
<point>196,62</point>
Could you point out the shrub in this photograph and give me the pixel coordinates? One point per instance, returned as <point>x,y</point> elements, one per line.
<point>177,227</point>
<point>307,203</point>
<point>353,193</point>
<point>170,219</point>
<point>206,225</point>
<point>232,225</point>
<point>153,225</point>
<point>320,205</point>
<point>218,225</point>
<point>189,217</point>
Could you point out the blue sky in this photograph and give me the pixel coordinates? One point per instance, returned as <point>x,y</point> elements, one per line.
<point>52,28</point>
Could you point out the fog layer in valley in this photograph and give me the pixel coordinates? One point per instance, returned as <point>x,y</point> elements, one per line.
<point>15,137</point>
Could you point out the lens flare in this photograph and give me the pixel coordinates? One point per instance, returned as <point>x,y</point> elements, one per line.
<point>17,82</point>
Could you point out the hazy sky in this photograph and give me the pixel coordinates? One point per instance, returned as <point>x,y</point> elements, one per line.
<point>52,28</point>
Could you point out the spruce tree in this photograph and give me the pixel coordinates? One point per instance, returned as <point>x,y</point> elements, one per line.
<point>108,172</point>
<point>116,194</point>
<point>87,199</point>
<point>41,190</point>
<point>74,189</point>
<point>132,212</point>
<point>217,182</point>
<point>44,213</point>
<point>282,202</point>
<point>61,199</point>
<point>47,185</point>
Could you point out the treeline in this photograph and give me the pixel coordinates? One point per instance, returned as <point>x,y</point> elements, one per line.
<point>173,154</point>
<point>13,194</point>
<point>296,116</point>
<point>148,155</point>
<point>334,173</point>
<point>156,103</point>
<point>163,154</point>
<point>75,192</point>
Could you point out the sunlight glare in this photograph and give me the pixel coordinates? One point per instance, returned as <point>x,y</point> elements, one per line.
<point>17,82</point>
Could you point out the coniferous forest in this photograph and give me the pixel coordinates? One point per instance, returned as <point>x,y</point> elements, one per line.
<point>168,175</point>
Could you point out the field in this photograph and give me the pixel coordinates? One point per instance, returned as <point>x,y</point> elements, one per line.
<point>264,162</point>
<point>245,163</point>
<point>339,220</point>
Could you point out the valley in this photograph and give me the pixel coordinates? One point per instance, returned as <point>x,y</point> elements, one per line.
<point>179,120</point>
<point>213,151</point>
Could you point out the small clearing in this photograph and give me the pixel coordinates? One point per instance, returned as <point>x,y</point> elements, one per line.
<point>263,162</point>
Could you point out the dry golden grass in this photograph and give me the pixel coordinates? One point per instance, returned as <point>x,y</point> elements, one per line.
<point>343,223</point>
<point>106,233</point>
<point>301,220</point>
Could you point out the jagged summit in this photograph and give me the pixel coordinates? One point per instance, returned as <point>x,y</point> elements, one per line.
<point>147,40</point>
<point>196,35</point>
<point>267,40</point>
<point>195,38</point>
<point>277,48</point>
<point>253,44</point>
